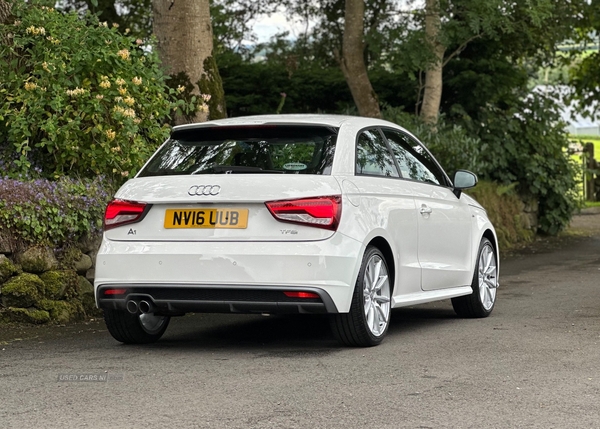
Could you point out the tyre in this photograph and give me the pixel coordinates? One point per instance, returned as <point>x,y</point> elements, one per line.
<point>367,322</point>
<point>481,302</point>
<point>135,328</point>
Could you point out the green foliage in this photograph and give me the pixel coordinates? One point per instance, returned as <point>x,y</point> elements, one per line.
<point>52,213</point>
<point>451,144</point>
<point>78,97</point>
<point>526,143</point>
<point>503,207</point>
<point>585,64</point>
<point>256,87</point>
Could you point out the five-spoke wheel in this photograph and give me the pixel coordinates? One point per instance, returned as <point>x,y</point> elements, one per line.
<point>367,322</point>
<point>485,284</point>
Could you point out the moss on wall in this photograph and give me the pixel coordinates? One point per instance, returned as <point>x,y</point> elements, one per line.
<point>24,290</point>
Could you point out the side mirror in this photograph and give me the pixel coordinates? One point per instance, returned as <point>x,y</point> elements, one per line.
<point>463,179</point>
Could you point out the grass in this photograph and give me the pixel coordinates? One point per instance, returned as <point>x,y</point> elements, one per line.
<point>589,139</point>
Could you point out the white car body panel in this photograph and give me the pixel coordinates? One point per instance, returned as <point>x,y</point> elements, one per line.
<point>433,257</point>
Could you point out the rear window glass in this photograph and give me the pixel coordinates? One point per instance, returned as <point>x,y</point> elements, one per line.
<point>256,149</point>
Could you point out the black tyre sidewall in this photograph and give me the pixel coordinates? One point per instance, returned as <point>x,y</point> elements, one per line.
<point>351,328</point>
<point>127,328</point>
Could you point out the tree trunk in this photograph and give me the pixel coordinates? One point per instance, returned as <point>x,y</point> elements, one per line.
<point>432,95</point>
<point>5,8</point>
<point>185,44</point>
<point>353,62</point>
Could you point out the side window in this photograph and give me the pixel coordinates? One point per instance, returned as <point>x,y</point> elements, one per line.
<point>414,161</point>
<point>373,156</point>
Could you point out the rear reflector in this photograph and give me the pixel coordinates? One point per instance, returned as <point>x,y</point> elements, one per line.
<point>321,212</point>
<point>121,212</point>
<point>307,295</point>
<point>115,291</point>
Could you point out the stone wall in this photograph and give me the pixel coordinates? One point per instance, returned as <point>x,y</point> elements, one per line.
<point>41,285</point>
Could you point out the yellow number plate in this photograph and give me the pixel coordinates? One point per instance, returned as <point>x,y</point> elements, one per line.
<point>206,218</point>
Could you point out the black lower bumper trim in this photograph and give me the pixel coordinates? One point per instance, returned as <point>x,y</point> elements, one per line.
<point>174,299</point>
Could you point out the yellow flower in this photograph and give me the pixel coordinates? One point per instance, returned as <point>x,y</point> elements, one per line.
<point>124,54</point>
<point>137,80</point>
<point>105,84</point>
<point>127,30</point>
<point>30,86</point>
<point>130,101</point>
<point>124,173</point>
<point>130,113</point>
<point>120,81</point>
<point>99,96</point>
<point>103,24</point>
<point>122,90</point>
<point>118,99</point>
<point>36,31</point>
<point>180,88</point>
<point>75,92</point>
<point>110,134</point>
<point>45,66</point>
<point>115,25</point>
<point>203,108</point>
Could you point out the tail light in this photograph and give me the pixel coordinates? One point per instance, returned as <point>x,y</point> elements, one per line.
<point>303,295</point>
<point>321,212</point>
<point>121,212</point>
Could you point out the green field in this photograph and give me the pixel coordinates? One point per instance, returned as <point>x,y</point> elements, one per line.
<point>589,139</point>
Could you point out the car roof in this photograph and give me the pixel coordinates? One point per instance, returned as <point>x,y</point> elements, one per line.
<point>290,119</point>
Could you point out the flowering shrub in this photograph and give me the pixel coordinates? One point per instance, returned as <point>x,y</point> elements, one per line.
<point>80,98</point>
<point>51,212</point>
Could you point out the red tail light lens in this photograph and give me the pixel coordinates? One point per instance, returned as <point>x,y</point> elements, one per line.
<point>321,212</point>
<point>115,291</point>
<point>120,212</point>
<point>307,295</point>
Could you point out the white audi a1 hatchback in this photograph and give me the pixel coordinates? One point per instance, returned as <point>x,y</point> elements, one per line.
<point>310,214</point>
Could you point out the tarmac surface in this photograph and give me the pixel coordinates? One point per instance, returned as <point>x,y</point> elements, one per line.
<point>535,363</point>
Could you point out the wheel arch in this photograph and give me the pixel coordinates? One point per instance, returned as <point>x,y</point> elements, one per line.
<point>490,235</point>
<point>385,248</point>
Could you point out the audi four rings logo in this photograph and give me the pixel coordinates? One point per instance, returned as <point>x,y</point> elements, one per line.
<point>204,190</point>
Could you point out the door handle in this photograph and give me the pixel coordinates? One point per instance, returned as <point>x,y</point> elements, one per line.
<point>425,210</point>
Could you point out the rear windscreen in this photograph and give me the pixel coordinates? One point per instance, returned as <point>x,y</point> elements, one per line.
<point>286,149</point>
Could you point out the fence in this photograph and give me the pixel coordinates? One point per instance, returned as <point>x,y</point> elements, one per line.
<point>591,174</point>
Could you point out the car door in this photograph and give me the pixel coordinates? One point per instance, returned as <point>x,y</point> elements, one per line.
<point>444,221</point>
<point>387,206</point>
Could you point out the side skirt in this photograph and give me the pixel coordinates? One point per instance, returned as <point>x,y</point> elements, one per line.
<point>428,296</point>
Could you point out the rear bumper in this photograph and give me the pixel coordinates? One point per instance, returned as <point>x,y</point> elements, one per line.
<point>174,300</point>
<point>184,277</point>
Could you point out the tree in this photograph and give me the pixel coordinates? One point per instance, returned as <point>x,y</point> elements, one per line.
<point>432,95</point>
<point>585,62</point>
<point>352,61</point>
<point>185,46</point>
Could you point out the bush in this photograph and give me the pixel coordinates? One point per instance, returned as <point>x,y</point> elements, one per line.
<point>451,144</point>
<point>80,98</point>
<point>527,144</point>
<point>504,208</point>
<point>56,213</point>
